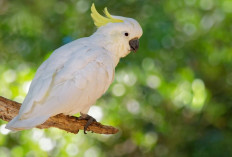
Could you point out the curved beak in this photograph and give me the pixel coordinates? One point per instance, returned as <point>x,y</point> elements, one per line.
<point>134,44</point>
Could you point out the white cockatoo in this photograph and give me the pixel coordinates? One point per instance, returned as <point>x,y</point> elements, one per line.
<point>78,73</point>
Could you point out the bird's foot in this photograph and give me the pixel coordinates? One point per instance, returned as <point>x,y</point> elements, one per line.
<point>89,119</point>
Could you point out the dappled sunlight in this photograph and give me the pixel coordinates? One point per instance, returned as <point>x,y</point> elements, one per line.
<point>133,106</point>
<point>46,144</point>
<point>129,78</point>
<point>183,94</point>
<point>199,95</point>
<point>93,152</point>
<point>170,98</point>
<point>15,83</point>
<point>6,92</point>
<point>82,6</point>
<point>19,99</point>
<point>153,81</point>
<point>72,149</point>
<point>10,76</point>
<point>189,95</point>
<point>151,138</point>
<point>96,112</point>
<point>37,134</point>
<point>3,130</point>
<point>118,90</point>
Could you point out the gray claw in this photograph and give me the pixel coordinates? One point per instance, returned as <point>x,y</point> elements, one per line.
<point>89,119</point>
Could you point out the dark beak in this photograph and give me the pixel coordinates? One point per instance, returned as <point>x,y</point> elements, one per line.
<point>134,44</point>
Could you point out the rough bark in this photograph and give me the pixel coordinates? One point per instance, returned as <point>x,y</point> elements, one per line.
<point>9,109</point>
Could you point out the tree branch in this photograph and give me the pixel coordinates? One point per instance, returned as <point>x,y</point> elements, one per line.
<point>9,109</point>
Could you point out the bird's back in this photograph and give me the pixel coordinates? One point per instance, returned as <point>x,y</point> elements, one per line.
<point>68,82</point>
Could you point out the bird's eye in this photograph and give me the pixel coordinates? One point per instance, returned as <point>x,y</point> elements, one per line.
<point>126,34</point>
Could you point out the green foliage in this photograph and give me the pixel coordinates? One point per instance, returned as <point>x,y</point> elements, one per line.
<point>171,98</point>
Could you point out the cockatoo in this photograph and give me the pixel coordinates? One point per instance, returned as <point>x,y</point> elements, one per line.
<point>78,73</point>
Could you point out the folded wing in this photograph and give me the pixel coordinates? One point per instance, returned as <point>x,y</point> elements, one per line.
<point>65,83</point>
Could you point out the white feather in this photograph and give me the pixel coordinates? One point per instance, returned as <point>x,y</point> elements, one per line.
<point>68,82</point>
<point>76,74</point>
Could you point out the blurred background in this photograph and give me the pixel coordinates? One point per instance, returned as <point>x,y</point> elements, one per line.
<point>170,99</point>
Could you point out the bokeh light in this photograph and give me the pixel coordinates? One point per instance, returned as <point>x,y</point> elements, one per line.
<point>171,98</point>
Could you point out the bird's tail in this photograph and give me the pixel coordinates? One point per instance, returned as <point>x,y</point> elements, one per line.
<point>17,124</point>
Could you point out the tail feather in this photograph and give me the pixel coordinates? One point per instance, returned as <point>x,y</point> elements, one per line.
<point>17,124</point>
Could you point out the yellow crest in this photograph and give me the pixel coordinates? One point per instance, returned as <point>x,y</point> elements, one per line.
<point>100,20</point>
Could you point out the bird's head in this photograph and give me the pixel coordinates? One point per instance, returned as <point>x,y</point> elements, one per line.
<point>122,33</point>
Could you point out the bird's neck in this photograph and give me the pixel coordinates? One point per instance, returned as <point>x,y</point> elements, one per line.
<point>115,49</point>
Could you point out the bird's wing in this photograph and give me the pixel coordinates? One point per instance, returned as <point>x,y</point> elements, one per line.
<point>78,78</point>
<point>45,74</point>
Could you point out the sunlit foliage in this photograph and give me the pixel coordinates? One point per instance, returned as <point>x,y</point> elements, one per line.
<point>173,98</point>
